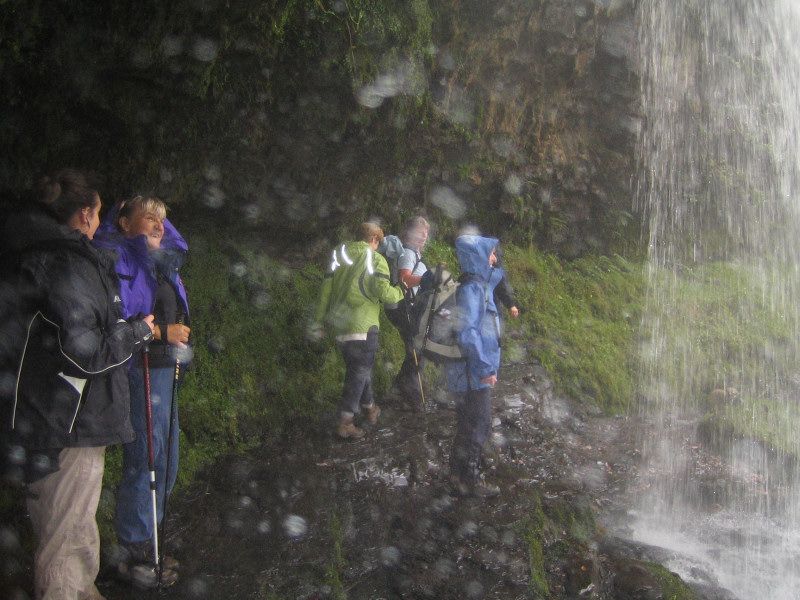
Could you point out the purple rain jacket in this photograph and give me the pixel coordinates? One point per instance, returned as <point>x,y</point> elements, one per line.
<point>136,265</point>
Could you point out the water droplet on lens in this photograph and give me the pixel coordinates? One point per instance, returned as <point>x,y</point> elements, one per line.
<point>444,568</point>
<point>9,540</point>
<point>251,212</point>
<point>238,269</point>
<point>16,455</point>
<point>468,530</point>
<point>264,527</point>
<point>446,200</point>
<point>172,45</point>
<point>513,185</point>
<point>295,527</point>
<point>204,49</point>
<point>261,300</point>
<point>196,588</point>
<point>212,173</point>
<point>474,590</point>
<point>369,97</point>
<point>214,197</point>
<point>390,556</point>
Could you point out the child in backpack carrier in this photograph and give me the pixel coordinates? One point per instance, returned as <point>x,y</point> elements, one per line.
<point>470,380</point>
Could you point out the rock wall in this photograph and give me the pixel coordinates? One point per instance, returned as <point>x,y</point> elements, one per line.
<point>283,118</point>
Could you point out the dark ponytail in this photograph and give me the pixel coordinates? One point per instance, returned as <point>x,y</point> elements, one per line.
<point>65,192</point>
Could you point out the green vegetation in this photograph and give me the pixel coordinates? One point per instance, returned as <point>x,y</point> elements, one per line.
<point>532,530</point>
<point>729,353</point>
<point>671,586</point>
<point>553,532</point>
<point>337,564</point>
<point>582,318</point>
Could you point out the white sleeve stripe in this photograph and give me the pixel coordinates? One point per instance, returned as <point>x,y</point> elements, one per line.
<point>19,371</point>
<point>345,258</point>
<point>370,268</point>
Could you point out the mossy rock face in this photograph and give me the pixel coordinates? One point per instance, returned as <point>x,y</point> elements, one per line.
<point>295,118</point>
<point>638,580</point>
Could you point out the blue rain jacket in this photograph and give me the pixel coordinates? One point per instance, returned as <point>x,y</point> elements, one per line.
<point>479,325</point>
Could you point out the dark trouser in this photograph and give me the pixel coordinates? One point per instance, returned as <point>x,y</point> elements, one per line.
<point>359,356</point>
<point>473,426</point>
<point>408,379</point>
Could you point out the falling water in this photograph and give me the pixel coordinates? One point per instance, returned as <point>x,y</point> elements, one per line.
<point>718,180</point>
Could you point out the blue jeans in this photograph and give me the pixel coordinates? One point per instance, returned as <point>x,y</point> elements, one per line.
<point>134,515</point>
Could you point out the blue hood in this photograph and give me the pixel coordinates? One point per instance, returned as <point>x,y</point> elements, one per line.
<point>473,254</point>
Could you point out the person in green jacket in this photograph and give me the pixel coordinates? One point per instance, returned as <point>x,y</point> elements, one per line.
<point>355,286</point>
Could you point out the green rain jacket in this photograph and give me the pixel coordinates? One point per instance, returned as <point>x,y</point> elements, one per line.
<point>355,285</point>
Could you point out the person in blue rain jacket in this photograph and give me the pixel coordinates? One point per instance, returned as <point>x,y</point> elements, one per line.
<point>471,380</point>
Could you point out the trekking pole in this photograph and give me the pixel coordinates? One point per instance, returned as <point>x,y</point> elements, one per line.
<point>167,491</point>
<point>414,354</point>
<point>151,462</point>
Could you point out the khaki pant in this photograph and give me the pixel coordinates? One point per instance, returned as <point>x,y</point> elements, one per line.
<point>63,516</point>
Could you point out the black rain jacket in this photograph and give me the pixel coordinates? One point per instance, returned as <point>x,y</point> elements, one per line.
<point>71,345</point>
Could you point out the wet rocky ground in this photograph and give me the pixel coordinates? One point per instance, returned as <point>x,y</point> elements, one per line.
<point>311,517</point>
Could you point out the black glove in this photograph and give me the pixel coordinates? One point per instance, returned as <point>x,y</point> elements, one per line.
<point>142,334</point>
<point>426,282</point>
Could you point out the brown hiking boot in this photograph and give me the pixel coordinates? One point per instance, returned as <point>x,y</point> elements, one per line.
<point>347,430</point>
<point>373,412</point>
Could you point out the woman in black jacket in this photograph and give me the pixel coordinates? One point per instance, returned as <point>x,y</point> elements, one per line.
<point>70,398</point>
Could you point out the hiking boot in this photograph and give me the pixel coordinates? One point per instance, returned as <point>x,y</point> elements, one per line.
<point>480,489</point>
<point>145,575</point>
<point>484,490</point>
<point>142,552</point>
<point>373,412</point>
<point>347,430</point>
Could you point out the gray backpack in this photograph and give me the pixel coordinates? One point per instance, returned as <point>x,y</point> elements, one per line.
<point>437,319</point>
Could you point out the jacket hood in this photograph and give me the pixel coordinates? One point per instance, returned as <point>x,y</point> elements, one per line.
<point>473,254</point>
<point>34,227</point>
<point>108,236</point>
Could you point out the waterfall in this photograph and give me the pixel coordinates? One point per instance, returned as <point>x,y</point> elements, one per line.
<point>718,180</point>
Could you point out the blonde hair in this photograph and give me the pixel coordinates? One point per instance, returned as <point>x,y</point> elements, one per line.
<point>150,204</point>
<point>370,231</point>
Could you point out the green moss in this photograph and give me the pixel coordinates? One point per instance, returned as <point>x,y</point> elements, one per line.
<point>337,563</point>
<point>532,531</point>
<point>672,587</point>
<point>581,318</point>
<point>575,517</point>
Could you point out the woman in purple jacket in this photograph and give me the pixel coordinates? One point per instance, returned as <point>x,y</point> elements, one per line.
<point>150,252</point>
